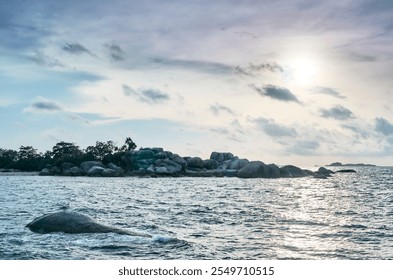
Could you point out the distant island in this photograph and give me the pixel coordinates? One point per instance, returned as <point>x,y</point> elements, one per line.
<point>349,164</point>
<point>105,159</point>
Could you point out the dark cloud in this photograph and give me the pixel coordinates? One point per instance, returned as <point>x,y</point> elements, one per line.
<point>218,108</point>
<point>383,126</point>
<point>253,69</point>
<point>115,51</point>
<point>271,128</point>
<point>275,92</point>
<point>44,105</point>
<point>42,59</point>
<point>328,91</point>
<point>150,96</point>
<point>76,48</point>
<point>337,112</point>
<point>195,65</point>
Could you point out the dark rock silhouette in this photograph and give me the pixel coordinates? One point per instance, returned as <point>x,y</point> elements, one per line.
<point>346,171</point>
<point>72,222</point>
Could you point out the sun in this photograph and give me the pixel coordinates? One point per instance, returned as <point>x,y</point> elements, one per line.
<point>302,70</point>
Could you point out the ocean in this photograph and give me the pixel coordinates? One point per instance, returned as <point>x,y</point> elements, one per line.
<point>347,216</point>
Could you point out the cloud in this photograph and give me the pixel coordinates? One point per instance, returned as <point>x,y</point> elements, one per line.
<point>195,65</point>
<point>42,59</point>
<point>77,49</point>
<point>383,126</point>
<point>275,92</point>
<point>328,91</point>
<point>43,105</point>
<point>357,130</point>
<point>115,51</point>
<point>253,69</point>
<point>362,57</point>
<point>228,134</point>
<point>77,118</point>
<point>218,108</point>
<point>307,147</point>
<point>150,96</point>
<point>337,112</point>
<point>271,128</point>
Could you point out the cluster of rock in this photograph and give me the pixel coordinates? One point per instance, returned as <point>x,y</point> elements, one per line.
<point>87,168</point>
<point>156,162</point>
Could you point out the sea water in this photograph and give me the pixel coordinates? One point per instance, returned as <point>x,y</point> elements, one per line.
<point>347,216</point>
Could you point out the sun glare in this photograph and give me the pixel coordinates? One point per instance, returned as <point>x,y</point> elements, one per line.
<point>302,70</point>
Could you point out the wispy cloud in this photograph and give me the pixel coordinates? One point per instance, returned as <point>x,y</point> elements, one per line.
<point>150,96</point>
<point>273,129</point>
<point>327,91</point>
<point>383,126</point>
<point>218,109</point>
<point>357,130</point>
<point>40,58</point>
<point>337,112</point>
<point>77,49</point>
<point>77,118</point>
<point>276,92</point>
<point>253,69</point>
<point>195,65</point>
<point>362,57</point>
<point>42,104</point>
<point>116,53</point>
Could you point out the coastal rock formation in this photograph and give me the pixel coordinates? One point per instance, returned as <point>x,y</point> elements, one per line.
<point>154,162</point>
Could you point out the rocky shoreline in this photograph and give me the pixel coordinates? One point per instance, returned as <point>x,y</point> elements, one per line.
<point>155,162</point>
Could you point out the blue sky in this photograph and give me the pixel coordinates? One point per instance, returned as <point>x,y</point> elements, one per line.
<point>300,82</point>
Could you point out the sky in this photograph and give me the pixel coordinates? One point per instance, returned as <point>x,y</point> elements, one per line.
<point>288,82</point>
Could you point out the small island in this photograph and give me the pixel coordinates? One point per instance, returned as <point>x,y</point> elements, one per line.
<point>349,164</point>
<point>105,159</point>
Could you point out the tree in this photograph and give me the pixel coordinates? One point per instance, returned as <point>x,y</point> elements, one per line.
<point>27,152</point>
<point>129,145</point>
<point>28,159</point>
<point>8,158</point>
<point>67,152</point>
<point>101,150</point>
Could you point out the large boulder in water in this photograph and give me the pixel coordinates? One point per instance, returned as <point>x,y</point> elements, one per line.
<point>87,165</point>
<point>95,171</point>
<point>273,171</point>
<point>238,163</point>
<point>221,156</point>
<point>195,162</point>
<point>116,168</point>
<point>210,164</point>
<point>46,172</point>
<point>253,169</point>
<point>324,171</point>
<point>291,171</point>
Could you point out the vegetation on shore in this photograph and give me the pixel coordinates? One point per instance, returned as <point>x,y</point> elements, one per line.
<point>27,158</point>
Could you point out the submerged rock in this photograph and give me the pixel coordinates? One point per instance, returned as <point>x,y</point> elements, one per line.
<point>346,171</point>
